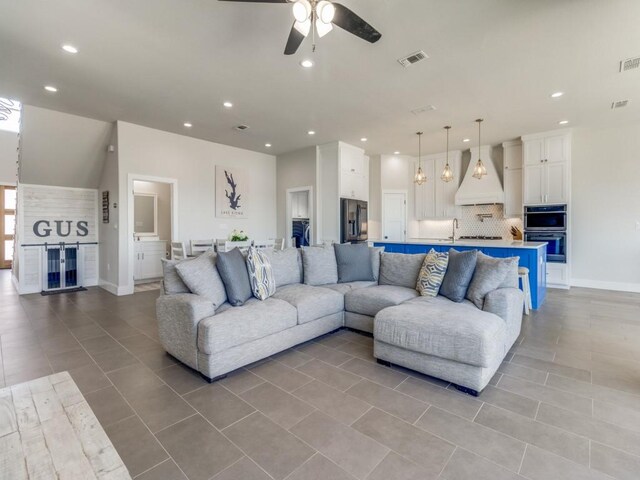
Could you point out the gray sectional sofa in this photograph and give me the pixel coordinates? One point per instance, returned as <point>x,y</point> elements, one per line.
<point>457,342</point>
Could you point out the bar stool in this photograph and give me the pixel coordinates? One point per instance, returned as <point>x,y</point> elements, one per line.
<point>523,275</point>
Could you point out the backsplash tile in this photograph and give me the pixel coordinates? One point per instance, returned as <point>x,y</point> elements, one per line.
<point>470,224</point>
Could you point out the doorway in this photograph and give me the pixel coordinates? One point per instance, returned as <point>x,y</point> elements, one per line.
<point>8,200</point>
<point>394,215</point>
<point>299,217</point>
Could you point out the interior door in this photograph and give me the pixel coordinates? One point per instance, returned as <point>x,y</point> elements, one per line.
<point>7,224</point>
<point>394,216</point>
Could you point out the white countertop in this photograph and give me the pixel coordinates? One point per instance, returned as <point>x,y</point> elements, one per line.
<point>467,243</point>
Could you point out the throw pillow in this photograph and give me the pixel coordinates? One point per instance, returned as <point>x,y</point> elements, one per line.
<point>233,271</point>
<point>173,284</point>
<point>489,274</point>
<point>375,261</point>
<point>263,283</point>
<point>202,277</point>
<point>354,262</point>
<point>459,273</point>
<point>431,273</point>
<point>286,265</point>
<point>319,265</point>
<point>400,269</point>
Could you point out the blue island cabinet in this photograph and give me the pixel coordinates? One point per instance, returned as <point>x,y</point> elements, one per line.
<point>535,259</point>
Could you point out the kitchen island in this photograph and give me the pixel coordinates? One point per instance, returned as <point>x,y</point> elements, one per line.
<point>532,255</point>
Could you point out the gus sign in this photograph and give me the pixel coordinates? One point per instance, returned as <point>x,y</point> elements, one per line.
<point>63,228</point>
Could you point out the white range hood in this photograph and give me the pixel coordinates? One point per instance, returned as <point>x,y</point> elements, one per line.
<point>487,190</point>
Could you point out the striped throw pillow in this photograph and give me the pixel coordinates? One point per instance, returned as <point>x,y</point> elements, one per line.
<point>263,282</point>
<point>432,273</point>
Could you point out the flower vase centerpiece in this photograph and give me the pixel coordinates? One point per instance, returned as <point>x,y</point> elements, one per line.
<point>238,239</point>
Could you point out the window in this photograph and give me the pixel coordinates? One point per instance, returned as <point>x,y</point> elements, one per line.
<point>10,115</point>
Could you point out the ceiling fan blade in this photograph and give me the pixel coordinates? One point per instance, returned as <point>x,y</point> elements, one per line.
<point>352,23</point>
<point>294,41</point>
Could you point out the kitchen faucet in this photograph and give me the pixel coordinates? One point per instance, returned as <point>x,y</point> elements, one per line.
<point>454,225</point>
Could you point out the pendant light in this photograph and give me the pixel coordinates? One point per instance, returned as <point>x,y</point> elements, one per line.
<point>479,171</point>
<point>420,177</point>
<point>447,173</point>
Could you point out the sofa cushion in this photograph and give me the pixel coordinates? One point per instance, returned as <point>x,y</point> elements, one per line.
<point>286,265</point>
<point>375,261</point>
<point>343,288</point>
<point>489,274</point>
<point>311,302</point>
<point>263,283</point>
<point>251,321</point>
<point>354,262</point>
<point>202,278</point>
<point>431,273</point>
<point>369,301</point>
<point>400,269</point>
<point>459,273</point>
<point>442,328</point>
<point>173,284</point>
<point>319,265</point>
<point>233,271</point>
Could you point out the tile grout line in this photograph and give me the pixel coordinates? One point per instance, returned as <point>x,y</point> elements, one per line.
<point>524,454</point>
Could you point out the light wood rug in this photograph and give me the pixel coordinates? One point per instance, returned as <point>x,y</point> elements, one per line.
<point>47,430</point>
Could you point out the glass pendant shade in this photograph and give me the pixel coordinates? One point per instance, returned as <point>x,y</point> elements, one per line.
<point>419,177</point>
<point>447,173</point>
<point>479,170</point>
<point>323,28</point>
<point>302,10</point>
<point>325,11</point>
<point>303,27</point>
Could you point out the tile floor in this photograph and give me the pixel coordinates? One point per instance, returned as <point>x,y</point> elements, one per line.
<point>565,404</point>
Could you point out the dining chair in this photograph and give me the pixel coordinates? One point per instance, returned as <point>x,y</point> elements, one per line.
<point>178,251</point>
<point>198,247</point>
<point>264,244</point>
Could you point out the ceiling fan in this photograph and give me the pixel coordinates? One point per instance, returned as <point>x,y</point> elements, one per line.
<point>320,16</point>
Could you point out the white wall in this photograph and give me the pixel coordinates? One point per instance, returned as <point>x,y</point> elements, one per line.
<point>146,151</point>
<point>375,199</point>
<point>396,173</point>
<point>295,169</point>
<point>109,235</point>
<point>606,207</point>
<point>8,157</point>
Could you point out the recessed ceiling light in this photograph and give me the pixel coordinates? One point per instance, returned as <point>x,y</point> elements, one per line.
<point>311,132</point>
<point>228,104</point>
<point>69,49</point>
<point>563,122</point>
<point>363,139</point>
<point>50,88</point>
<point>465,140</point>
<point>188,125</point>
<point>306,63</point>
<point>396,153</point>
<point>268,145</point>
<point>557,94</point>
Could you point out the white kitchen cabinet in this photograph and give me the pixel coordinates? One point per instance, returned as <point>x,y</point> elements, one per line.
<point>435,198</point>
<point>147,256</point>
<point>354,172</point>
<point>300,205</point>
<point>547,159</point>
<point>557,275</point>
<point>512,179</point>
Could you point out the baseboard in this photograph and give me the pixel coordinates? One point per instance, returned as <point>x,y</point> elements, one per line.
<point>601,285</point>
<point>16,282</point>
<point>115,289</point>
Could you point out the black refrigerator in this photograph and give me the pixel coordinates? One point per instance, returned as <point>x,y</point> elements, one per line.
<point>353,221</point>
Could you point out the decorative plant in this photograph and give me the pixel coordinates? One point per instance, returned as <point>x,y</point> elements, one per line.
<point>232,197</point>
<point>238,236</point>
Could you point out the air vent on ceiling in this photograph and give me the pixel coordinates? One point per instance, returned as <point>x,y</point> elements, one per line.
<point>421,110</point>
<point>240,128</point>
<point>629,64</point>
<point>619,104</point>
<point>415,57</point>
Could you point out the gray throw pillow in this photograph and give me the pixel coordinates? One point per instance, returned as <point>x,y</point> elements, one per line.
<point>354,262</point>
<point>201,276</point>
<point>511,280</point>
<point>235,276</point>
<point>459,274</point>
<point>489,275</point>
<point>173,284</point>
<point>319,265</point>
<point>400,269</point>
<point>286,265</point>
<point>375,261</point>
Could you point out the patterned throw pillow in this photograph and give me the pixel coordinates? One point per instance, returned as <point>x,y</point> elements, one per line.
<point>263,282</point>
<point>432,272</point>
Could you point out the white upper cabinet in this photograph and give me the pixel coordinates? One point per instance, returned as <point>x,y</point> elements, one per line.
<point>436,198</point>
<point>300,205</point>
<point>354,172</point>
<point>512,179</point>
<point>547,160</point>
